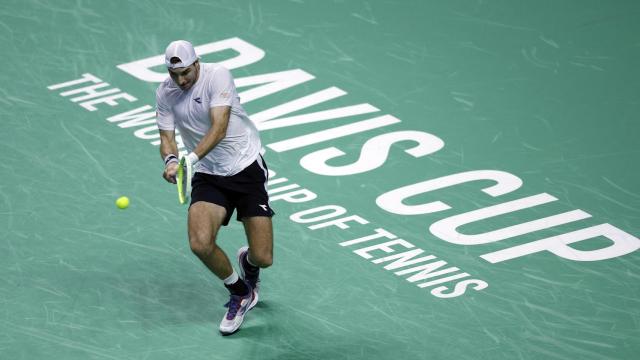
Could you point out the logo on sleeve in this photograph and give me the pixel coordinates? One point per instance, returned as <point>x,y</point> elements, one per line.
<point>198,100</point>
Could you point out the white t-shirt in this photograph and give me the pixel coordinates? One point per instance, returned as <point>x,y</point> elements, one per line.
<point>188,111</point>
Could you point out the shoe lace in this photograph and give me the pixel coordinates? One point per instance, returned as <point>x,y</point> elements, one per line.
<point>234,304</point>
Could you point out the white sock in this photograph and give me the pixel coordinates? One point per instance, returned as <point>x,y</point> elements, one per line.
<point>232,278</point>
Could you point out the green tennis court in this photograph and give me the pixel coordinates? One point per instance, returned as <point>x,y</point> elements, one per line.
<point>452,180</point>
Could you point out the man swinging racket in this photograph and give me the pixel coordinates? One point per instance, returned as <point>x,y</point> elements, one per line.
<point>200,100</point>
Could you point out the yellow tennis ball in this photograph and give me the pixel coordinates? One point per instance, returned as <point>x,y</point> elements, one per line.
<point>122,202</point>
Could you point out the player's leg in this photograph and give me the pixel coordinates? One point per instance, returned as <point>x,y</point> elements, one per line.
<point>209,210</point>
<point>204,222</point>
<point>259,253</point>
<point>251,200</point>
<point>259,231</point>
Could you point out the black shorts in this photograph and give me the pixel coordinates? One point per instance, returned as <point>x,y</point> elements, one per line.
<point>245,191</point>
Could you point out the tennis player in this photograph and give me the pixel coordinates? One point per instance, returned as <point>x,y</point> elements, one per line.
<point>201,102</point>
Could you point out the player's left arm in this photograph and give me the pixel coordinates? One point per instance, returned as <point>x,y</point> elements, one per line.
<point>219,116</point>
<point>222,92</point>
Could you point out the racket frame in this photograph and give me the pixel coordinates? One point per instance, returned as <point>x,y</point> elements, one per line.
<point>184,174</point>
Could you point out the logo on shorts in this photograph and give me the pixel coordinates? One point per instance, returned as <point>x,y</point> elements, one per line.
<point>198,100</point>
<point>264,207</point>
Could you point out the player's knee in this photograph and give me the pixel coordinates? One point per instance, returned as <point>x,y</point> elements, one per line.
<point>201,244</point>
<point>200,249</point>
<point>263,260</point>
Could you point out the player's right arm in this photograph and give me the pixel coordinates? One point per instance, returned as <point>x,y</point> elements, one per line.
<point>169,153</point>
<point>168,145</point>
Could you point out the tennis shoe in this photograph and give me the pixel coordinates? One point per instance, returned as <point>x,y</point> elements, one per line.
<point>251,277</point>
<point>237,308</point>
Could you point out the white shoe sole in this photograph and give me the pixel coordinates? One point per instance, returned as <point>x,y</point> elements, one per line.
<point>224,330</point>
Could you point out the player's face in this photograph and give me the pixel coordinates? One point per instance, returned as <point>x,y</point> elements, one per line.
<point>185,77</point>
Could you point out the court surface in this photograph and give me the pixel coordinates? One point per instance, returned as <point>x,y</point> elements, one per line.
<point>453,180</point>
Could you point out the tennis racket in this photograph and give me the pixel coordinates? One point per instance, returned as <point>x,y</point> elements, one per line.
<point>183,179</point>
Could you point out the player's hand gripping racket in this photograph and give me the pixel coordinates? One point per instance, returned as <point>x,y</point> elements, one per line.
<point>183,179</point>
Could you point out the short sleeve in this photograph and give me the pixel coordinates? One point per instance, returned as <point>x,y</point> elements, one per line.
<point>222,87</point>
<point>164,114</point>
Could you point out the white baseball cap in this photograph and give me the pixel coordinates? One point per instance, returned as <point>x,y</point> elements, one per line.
<point>181,49</point>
